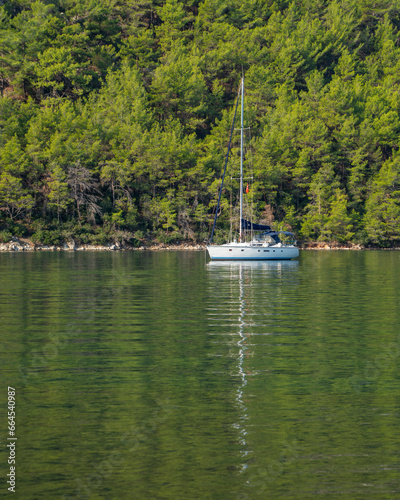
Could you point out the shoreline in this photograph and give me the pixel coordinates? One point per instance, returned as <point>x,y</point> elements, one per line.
<point>26,245</point>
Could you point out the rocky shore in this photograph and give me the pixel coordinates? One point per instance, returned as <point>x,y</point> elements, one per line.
<point>333,246</point>
<point>338,246</point>
<point>26,245</point>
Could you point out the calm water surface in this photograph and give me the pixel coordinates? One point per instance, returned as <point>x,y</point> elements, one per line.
<point>161,376</point>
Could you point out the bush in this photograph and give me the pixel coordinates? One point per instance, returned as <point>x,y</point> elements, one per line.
<point>101,237</point>
<point>203,237</point>
<point>5,236</point>
<point>173,238</point>
<point>18,230</point>
<point>139,235</point>
<point>84,238</point>
<point>38,236</point>
<point>82,234</point>
<point>47,238</point>
<point>221,236</point>
<point>133,241</point>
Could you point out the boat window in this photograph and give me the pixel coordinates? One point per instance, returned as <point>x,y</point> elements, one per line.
<point>264,238</point>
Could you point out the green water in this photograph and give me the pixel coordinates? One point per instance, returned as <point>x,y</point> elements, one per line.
<point>145,375</point>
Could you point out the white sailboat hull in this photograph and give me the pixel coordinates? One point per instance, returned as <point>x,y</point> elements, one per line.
<point>237,251</point>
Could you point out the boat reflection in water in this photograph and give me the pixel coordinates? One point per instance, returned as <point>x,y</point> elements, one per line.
<point>239,265</point>
<point>247,298</point>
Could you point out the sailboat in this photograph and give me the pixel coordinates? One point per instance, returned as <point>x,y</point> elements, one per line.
<point>256,241</point>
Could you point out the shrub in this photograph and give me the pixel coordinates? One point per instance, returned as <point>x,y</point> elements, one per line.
<point>18,230</point>
<point>101,237</point>
<point>49,238</point>
<point>139,234</point>
<point>133,241</point>
<point>5,236</point>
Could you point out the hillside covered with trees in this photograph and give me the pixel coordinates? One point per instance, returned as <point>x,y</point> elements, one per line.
<point>115,117</point>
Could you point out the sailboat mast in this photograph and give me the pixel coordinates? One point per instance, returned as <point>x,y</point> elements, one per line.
<point>241,164</point>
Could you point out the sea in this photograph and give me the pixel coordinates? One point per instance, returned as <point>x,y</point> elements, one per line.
<point>161,375</point>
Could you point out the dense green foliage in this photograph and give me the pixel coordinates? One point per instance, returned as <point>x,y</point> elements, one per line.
<point>115,116</point>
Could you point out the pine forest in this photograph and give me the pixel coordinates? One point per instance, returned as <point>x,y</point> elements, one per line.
<point>115,117</point>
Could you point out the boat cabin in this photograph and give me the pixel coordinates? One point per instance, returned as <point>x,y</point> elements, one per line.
<point>269,238</point>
